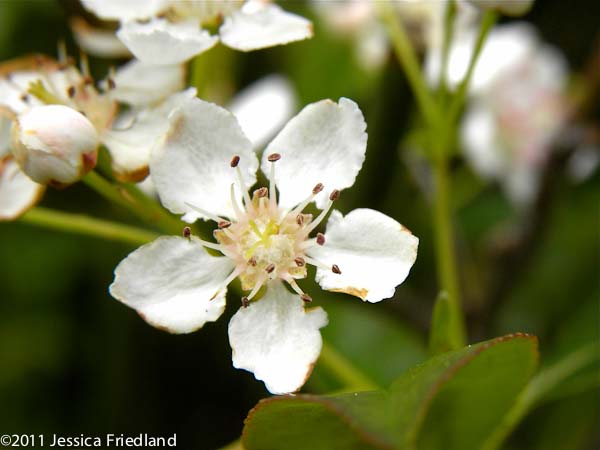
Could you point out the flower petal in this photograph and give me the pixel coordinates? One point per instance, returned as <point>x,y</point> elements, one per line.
<point>130,147</point>
<point>191,164</point>
<point>161,42</point>
<point>264,107</point>
<point>260,25</point>
<point>173,283</point>
<point>277,339</point>
<point>97,41</point>
<point>373,251</point>
<point>124,9</point>
<point>325,143</point>
<point>18,192</point>
<point>140,84</point>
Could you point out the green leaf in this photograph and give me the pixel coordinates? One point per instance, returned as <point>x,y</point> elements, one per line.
<point>452,401</point>
<point>441,337</point>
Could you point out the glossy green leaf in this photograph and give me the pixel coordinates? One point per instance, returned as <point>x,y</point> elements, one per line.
<point>452,401</point>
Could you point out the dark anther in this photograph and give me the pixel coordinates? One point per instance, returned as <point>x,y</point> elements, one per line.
<point>335,194</point>
<point>71,91</point>
<point>299,261</point>
<point>88,80</point>
<point>235,161</point>
<point>320,238</point>
<point>335,269</point>
<point>245,302</point>
<point>262,192</point>
<point>252,261</point>
<point>187,232</point>
<point>111,83</point>
<point>300,219</point>
<point>25,98</point>
<point>224,224</point>
<point>318,188</point>
<point>274,157</point>
<point>270,268</point>
<point>306,298</point>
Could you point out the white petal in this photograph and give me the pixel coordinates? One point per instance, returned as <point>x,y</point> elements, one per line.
<point>141,84</point>
<point>191,164</point>
<point>18,192</point>
<point>277,339</point>
<point>5,126</point>
<point>124,9</point>
<point>161,42</point>
<point>325,143</point>
<point>130,147</point>
<point>373,251</point>
<point>13,90</point>
<point>264,107</point>
<point>97,41</point>
<point>170,282</point>
<point>260,25</point>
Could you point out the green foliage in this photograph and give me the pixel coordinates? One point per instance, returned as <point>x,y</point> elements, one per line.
<point>452,401</point>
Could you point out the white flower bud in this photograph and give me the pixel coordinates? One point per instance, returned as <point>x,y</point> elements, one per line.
<point>54,144</point>
<point>513,8</point>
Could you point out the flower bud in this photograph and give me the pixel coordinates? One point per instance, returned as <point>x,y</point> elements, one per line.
<point>513,8</point>
<point>54,144</point>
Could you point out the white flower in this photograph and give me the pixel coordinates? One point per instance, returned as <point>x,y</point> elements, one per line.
<point>202,168</point>
<point>518,106</point>
<point>59,90</point>
<point>168,31</point>
<point>54,144</point>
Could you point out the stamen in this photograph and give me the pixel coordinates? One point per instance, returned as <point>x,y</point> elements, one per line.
<point>335,194</point>
<point>224,224</point>
<point>262,192</point>
<point>335,269</point>
<point>306,298</point>
<point>71,91</point>
<point>235,161</point>
<point>187,232</point>
<point>243,187</point>
<point>272,193</point>
<point>111,83</point>
<point>84,65</point>
<point>270,268</point>
<point>300,261</point>
<point>252,261</point>
<point>245,302</point>
<point>314,262</point>
<point>234,203</point>
<point>295,287</point>
<point>256,288</point>
<point>232,276</point>
<point>207,244</point>
<point>205,213</point>
<point>62,51</point>
<point>300,219</point>
<point>298,209</point>
<point>320,239</point>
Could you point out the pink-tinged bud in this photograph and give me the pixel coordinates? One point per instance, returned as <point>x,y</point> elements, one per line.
<point>513,8</point>
<point>54,144</point>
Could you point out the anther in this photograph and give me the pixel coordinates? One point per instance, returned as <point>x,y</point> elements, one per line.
<point>25,98</point>
<point>111,83</point>
<point>300,261</point>
<point>87,80</point>
<point>270,268</point>
<point>224,224</point>
<point>300,219</point>
<point>318,188</point>
<point>252,261</point>
<point>71,91</point>
<point>335,269</point>
<point>187,232</point>
<point>262,192</point>
<point>245,302</point>
<point>320,239</point>
<point>274,157</point>
<point>306,298</point>
<point>335,194</point>
<point>235,161</point>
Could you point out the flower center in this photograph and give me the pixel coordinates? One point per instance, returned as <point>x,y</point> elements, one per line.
<point>266,241</point>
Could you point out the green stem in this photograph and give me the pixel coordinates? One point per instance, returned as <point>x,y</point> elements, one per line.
<point>445,252</point>
<point>449,17</point>
<point>122,195</point>
<point>344,370</point>
<point>488,21</point>
<point>408,59</point>
<point>538,387</point>
<point>82,224</point>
